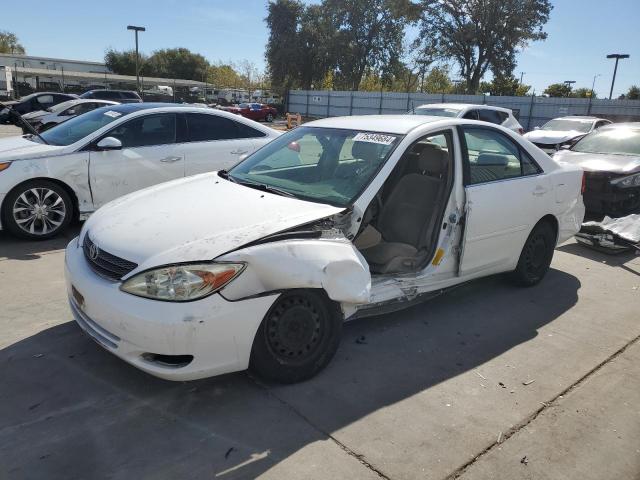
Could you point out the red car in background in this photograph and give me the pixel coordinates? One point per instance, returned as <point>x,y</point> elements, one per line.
<point>254,111</point>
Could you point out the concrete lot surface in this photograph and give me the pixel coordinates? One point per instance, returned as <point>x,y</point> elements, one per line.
<point>488,381</point>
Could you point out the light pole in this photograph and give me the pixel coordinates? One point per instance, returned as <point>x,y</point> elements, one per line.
<point>62,68</point>
<point>617,56</point>
<point>569,83</point>
<point>521,75</point>
<point>136,30</point>
<point>593,84</point>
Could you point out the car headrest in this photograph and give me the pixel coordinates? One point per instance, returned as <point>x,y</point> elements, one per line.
<point>433,160</point>
<point>493,159</point>
<point>364,150</point>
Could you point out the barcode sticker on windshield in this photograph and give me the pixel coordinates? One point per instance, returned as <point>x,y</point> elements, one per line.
<point>112,114</point>
<point>374,138</point>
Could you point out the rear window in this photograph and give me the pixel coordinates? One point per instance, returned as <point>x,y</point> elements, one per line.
<point>206,127</point>
<point>129,95</point>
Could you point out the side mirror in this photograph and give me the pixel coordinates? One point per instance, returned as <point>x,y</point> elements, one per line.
<point>109,143</point>
<point>70,112</point>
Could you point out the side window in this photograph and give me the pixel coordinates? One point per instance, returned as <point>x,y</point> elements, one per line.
<point>490,116</point>
<point>492,156</point>
<point>45,100</point>
<point>471,115</point>
<point>147,131</point>
<point>204,127</point>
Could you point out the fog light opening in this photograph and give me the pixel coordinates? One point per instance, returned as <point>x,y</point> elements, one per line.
<point>168,361</point>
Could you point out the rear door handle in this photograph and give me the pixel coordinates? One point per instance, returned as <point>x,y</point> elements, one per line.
<point>170,159</point>
<point>239,152</point>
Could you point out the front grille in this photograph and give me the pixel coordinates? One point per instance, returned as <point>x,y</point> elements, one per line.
<point>105,264</point>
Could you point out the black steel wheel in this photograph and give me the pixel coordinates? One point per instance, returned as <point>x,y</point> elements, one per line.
<point>297,338</point>
<point>536,255</point>
<point>269,117</point>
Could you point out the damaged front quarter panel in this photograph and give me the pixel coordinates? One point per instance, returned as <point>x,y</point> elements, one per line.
<point>330,262</point>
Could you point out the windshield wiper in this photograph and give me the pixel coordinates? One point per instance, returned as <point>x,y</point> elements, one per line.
<point>16,117</point>
<point>265,188</point>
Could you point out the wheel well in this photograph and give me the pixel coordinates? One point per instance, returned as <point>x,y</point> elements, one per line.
<point>551,220</point>
<point>61,184</point>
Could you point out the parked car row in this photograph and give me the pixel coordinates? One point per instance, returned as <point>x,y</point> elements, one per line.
<point>254,111</point>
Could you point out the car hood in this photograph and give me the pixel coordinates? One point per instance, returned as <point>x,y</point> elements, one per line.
<point>552,137</point>
<point>194,219</point>
<point>600,162</point>
<point>19,148</point>
<point>36,114</point>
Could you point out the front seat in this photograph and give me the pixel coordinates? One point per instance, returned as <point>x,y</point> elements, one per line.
<point>406,218</point>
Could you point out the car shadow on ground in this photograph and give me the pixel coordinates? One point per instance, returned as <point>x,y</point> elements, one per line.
<point>72,410</point>
<point>628,260</point>
<point>20,249</point>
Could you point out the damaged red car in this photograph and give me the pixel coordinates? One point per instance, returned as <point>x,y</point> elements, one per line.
<point>254,111</point>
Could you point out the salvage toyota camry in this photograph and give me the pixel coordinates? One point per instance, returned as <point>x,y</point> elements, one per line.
<point>259,267</point>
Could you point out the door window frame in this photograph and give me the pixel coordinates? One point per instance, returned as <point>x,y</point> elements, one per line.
<point>93,144</point>
<point>182,133</point>
<point>466,164</point>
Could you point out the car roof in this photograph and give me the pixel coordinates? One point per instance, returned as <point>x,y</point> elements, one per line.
<point>398,124</point>
<point>462,106</point>
<point>579,117</point>
<point>632,125</point>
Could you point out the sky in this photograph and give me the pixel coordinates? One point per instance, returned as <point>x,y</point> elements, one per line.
<point>580,35</point>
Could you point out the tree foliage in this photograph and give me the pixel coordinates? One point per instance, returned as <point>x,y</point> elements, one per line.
<point>481,35</point>
<point>504,85</point>
<point>558,90</point>
<point>633,93</point>
<point>123,63</point>
<point>9,44</point>
<point>283,50</point>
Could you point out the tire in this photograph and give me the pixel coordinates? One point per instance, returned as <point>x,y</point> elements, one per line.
<point>37,210</point>
<point>269,117</point>
<point>297,338</point>
<point>536,255</point>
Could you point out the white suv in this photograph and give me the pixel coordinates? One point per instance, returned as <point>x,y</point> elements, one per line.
<point>470,111</point>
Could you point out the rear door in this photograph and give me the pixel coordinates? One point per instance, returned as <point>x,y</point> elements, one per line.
<point>506,194</point>
<point>212,142</point>
<point>149,156</point>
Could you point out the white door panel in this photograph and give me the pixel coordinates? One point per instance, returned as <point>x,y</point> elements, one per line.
<point>117,172</point>
<point>499,218</point>
<point>201,157</point>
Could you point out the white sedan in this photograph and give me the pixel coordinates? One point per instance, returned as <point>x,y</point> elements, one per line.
<point>74,168</point>
<point>339,218</point>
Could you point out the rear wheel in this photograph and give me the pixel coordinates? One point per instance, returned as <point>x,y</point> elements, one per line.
<point>37,210</point>
<point>536,255</point>
<point>269,117</point>
<point>297,338</point>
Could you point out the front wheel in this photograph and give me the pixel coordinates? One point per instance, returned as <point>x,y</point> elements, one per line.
<point>536,255</point>
<point>297,338</point>
<point>37,210</point>
<point>269,117</point>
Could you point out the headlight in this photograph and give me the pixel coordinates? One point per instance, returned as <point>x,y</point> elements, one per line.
<point>182,283</point>
<point>628,181</point>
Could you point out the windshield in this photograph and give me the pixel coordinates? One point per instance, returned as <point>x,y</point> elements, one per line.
<point>437,112</point>
<point>567,125</point>
<point>318,164</point>
<point>79,127</point>
<point>617,141</point>
<point>61,106</point>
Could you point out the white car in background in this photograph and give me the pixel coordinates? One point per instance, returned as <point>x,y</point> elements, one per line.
<point>563,132</point>
<point>470,111</point>
<point>339,218</point>
<point>43,120</point>
<point>76,167</point>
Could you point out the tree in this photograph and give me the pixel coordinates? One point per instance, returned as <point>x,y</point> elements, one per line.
<point>123,63</point>
<point>9,44</point>
<point>368,35</point>
<point>437,81</point>
<point>177,63</point>
<point>316,55</point>
<point>482,35</point>
<point>633,93</point>
<point>582,93</point>
<point>558,90</point>
<point>282,52</point>
<point>223,75</point>
<point>504,85</point>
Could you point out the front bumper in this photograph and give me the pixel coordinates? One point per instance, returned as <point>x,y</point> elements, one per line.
<point>602,197</point>
<point>218,334</point>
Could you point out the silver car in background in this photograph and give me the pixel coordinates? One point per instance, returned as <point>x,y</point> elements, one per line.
<point>43,120</point>
<point>471,111</point>
<point>563,131</point>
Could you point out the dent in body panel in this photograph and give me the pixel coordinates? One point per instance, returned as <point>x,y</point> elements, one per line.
<point>332,264</point>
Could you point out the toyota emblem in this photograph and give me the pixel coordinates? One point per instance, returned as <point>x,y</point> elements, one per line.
<point>94,251</point>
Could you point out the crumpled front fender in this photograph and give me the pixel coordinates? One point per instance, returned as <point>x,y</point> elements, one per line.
<point>331,264</point>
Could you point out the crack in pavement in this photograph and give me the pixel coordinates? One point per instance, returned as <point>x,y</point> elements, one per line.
<point>358,456</point>
<point>545,406</point>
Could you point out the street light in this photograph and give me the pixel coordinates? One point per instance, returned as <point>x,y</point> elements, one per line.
<point>593,84</point>
<point>617,56</point>
<point>569,83</point>
<point>136,30</point>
